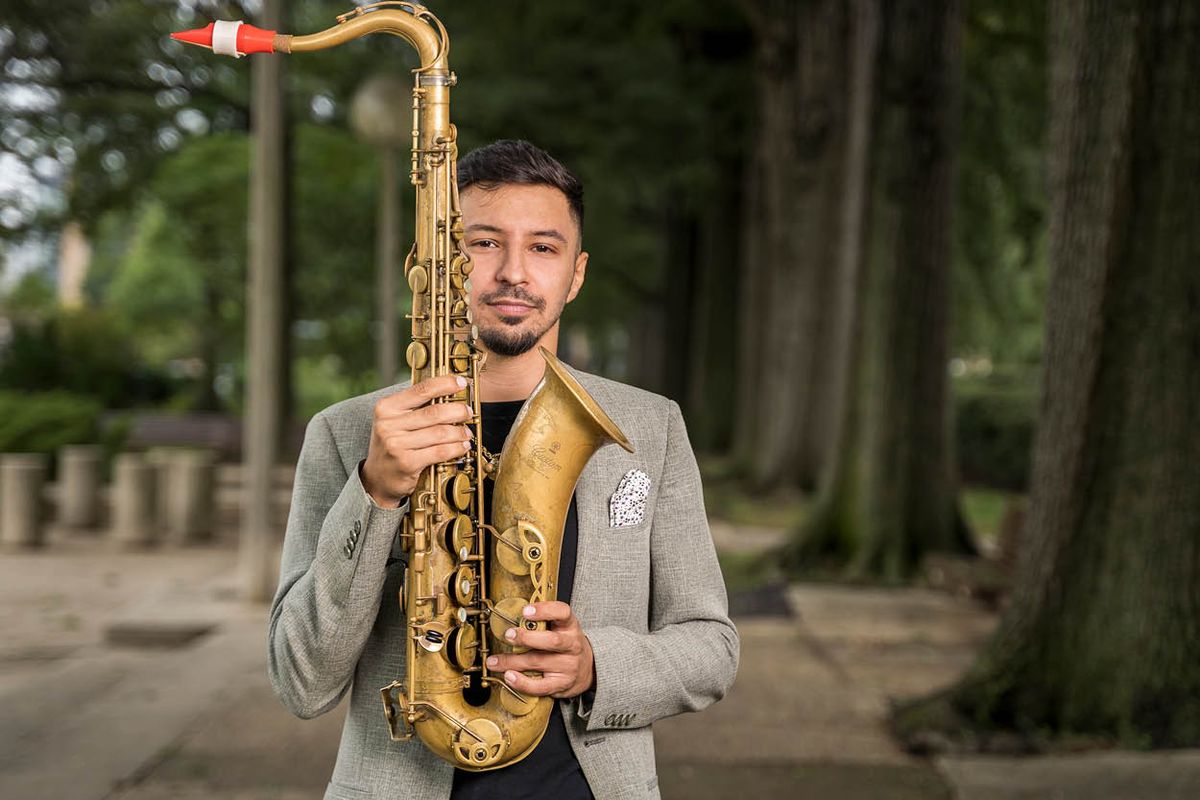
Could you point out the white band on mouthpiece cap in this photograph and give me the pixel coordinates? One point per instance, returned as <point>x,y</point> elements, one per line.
<point>225,38</point>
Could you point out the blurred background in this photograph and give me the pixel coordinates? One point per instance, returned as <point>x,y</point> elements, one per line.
<point>920,273</point>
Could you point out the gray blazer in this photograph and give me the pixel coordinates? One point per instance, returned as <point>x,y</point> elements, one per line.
<point>649,595</point>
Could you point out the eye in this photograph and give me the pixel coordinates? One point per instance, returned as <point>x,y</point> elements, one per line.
<point>484,243</point>
<point>544,248</point>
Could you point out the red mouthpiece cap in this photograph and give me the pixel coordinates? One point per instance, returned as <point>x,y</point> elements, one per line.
<point>249,38</point>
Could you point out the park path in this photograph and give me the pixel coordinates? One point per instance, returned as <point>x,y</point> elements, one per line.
<point>139,676</point>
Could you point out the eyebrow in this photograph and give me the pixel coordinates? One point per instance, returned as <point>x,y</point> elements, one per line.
<point>549,233</point>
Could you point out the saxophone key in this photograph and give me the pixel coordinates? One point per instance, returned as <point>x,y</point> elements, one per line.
<point>461,585</point>
<point>458,491</point>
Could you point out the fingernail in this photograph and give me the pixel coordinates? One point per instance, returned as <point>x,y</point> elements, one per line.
<point>510,634</point>
<point>467,444</point>
<point>493,661</point>
<point>529,611</point>
<point>462,382</point>
<point>510,676</point>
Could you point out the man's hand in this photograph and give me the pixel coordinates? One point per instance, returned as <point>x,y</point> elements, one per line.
<point>562,654</point>
<point>408,435</point>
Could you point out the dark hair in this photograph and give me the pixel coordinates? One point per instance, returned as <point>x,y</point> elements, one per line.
<point>518,161</point>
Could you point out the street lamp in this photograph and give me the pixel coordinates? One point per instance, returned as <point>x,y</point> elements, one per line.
<point>381,116</point>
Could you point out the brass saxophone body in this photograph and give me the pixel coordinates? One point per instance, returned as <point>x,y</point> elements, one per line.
<point>466,581</point>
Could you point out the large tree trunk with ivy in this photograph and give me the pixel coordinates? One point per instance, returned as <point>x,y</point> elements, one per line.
<point>789,273</point>
<point>1101,637</point>
<point>889,496</point>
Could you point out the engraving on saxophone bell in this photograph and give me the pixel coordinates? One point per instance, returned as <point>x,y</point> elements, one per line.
<point>543,460</point>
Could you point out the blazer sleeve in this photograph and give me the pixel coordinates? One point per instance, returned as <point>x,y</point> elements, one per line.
<point>689,657</point>
<point>331,577</point>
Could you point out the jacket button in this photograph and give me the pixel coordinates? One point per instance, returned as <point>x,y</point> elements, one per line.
<point>357,527</point>
<point>348,550</point>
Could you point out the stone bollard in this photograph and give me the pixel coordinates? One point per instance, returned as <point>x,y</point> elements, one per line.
<point>160,459</point>
<point>191,496</point>
<point>135,523</point>
<point>22,478</point>
<point>79,469</point>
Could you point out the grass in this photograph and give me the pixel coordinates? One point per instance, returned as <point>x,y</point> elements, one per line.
<point>984,509</point>
<point>725,498</point>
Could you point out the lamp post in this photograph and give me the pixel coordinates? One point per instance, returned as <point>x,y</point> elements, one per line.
<point>381,115</point>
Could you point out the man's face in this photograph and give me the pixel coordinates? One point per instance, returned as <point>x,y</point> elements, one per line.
<point>528,264</point>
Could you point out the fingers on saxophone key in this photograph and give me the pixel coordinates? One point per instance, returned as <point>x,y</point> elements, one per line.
<point>431,388</point>
<point>550,641</point>
<point>441,452</point>
<point>419,395</point>
<point>553,611</point>
<point>432,436</point>
<point>435,415</point>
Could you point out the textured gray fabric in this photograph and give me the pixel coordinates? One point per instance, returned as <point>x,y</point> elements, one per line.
<point>650,598</point>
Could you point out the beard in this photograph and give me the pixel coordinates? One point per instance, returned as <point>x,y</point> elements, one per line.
<point>507,339</point>
<point>509,343</point>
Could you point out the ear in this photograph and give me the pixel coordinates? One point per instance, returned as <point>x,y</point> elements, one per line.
<point>577,279</point>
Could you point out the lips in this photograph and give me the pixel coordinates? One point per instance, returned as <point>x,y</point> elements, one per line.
<point>510,308</point>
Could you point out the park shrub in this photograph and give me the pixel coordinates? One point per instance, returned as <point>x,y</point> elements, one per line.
<point>82,351</point>
<point>42,422</point>
<point>994,426</point>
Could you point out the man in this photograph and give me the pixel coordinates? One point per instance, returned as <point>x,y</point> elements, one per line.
<point>641,629</point>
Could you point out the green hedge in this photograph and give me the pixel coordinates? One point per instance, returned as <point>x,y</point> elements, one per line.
<point>994,425</point>
<point>42,422</point>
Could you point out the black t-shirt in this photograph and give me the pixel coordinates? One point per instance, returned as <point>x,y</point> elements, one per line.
<point>551,771</point>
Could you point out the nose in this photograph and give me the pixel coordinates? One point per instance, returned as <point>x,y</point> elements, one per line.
<point>512,267</point>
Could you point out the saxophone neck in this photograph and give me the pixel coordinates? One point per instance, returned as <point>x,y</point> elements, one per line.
<point>412,22</point>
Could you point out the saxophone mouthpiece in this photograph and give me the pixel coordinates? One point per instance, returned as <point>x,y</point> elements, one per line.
<point>228,38</point>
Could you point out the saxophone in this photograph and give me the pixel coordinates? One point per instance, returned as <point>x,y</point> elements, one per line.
<point>466,581</point>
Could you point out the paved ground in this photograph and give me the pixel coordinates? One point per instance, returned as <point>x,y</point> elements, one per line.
<point>95,702</point>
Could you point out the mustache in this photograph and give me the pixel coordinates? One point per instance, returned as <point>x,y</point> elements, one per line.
<point>516,293</point>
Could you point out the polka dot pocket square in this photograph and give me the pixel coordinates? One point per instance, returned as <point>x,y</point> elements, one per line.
<point>627,507</point>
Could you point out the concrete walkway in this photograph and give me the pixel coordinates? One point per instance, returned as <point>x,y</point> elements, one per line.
<point>102,695</point>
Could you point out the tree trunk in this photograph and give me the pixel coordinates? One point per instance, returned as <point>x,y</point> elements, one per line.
<point>1101,637</point>
<point>797,163</point>
<point>891,496</point>
<point>709,403</point>
<point>678,302</point>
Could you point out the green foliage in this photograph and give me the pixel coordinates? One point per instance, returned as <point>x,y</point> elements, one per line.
<point>33,422</point>
<point>994,427</point>
<point>31,296</point>
<point>983,511</point>
<point>336,185</point>
<point>85,351</point>
<point>1000,207</point>
<point>105,94</point>
<point>174,269</point>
